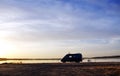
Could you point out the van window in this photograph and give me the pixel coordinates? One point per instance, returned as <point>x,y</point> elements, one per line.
<point>70,56</point>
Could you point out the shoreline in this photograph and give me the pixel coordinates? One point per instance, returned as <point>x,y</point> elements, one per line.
<point>61,69</point>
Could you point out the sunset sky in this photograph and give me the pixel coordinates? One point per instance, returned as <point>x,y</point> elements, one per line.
<point>53,28</point>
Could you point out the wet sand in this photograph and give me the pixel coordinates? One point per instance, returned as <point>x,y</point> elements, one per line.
<point>61,69</point>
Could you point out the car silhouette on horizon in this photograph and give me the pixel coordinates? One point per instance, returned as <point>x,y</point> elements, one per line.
<point>77,57</point>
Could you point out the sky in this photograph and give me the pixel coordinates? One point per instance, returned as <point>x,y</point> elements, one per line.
<point>53,28</point>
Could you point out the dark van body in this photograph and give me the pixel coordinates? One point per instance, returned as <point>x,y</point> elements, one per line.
<point>72,58</point>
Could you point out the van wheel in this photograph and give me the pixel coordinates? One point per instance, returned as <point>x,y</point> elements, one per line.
<point>77,61</point>
<point>64,61</point>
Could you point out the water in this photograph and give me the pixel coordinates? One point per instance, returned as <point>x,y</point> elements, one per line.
<point>103,60</point>
<point>30,61</point>
<point>57,61</point>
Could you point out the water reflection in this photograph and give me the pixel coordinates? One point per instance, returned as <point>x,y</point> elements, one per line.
<point>30,61</point>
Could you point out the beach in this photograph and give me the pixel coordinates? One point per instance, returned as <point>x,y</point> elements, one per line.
<point>61,69</point>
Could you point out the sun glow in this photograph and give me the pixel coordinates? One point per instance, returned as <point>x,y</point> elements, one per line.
<point>5,48</point>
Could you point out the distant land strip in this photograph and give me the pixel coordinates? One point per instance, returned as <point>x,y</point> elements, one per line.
<point>101,57</point>
<point>2,59</point>
<point>104,57</point>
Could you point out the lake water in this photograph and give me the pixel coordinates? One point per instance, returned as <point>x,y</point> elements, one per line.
<point>103,60</point>
<point>57,61</point>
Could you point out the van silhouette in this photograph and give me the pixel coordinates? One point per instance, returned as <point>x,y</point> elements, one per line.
<point>72,58</point>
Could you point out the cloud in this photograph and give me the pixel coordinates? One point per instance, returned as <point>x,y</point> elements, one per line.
<point>70,23</point>
<point>37,20</point>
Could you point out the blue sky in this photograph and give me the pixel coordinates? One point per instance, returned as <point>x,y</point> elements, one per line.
<point>52,28</point>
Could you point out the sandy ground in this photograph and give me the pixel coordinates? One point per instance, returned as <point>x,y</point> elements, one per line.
<point>61,69</point>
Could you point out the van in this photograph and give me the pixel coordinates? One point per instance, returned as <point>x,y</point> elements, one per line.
<point>72,58</point>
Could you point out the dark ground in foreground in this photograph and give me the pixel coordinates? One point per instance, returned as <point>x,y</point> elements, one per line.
<point>61,69</point>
